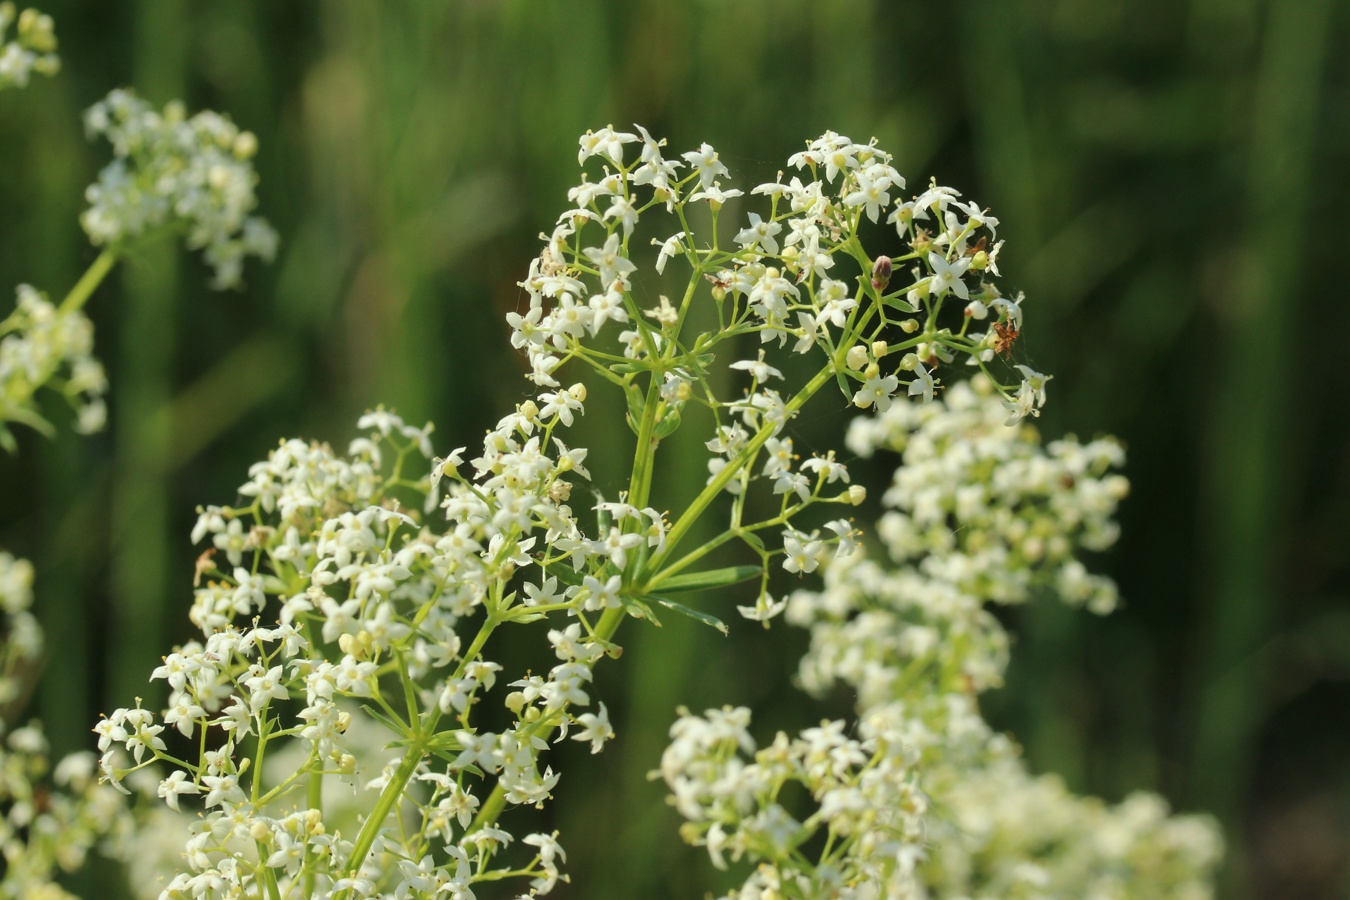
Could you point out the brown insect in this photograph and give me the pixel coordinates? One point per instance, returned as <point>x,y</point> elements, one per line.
<point>1004,338</point>
<point>204,564</point>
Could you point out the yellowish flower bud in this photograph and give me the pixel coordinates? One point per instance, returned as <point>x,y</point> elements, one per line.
<point>245,145</point>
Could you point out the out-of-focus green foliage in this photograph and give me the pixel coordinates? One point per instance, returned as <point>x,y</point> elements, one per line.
<point>1166,175</point>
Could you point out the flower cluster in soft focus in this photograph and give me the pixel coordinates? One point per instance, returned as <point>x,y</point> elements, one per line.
<point>176,174</point>
<point>20,634</point>
<point>979,513</point>
<point>32,49</point>
<point>43,345</point>
<point>50,819</point>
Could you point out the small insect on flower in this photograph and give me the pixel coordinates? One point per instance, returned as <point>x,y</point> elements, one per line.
<point>1004,338</point>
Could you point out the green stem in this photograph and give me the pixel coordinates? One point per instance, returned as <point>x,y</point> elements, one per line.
<point>388,797</point>
<point>365,839</point>
<point>714,487</point>
<point>496,801</point>
<point>612,618</point>
<point>90,280</point>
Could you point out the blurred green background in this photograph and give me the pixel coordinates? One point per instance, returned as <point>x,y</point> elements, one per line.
<point>1166,172</point>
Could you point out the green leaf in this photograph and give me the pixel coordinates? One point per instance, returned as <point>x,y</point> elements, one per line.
<point>699,615</point>
<point>900,304</point>
<point>566,574</point>
<point>669,422</point>
<point>754,540</point>
<point>843,386</point>
<point>710,578</point>
<point>639,610</point>
<point>394,726</point>
<point>637,401</point>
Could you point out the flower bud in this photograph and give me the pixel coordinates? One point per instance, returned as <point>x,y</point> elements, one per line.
<point>881,273</point>
<point>857,494</point>
<point>880,349</point>
<point>909,361</point>
<point>260,832</point>
<point>909,326</point>
<point>578,392</point>
<point>245,145</point>
<point>719,293</point>
<point>872,371</point>
<point>530,410</point>
<point>515,701</point>
<point>857,357</point>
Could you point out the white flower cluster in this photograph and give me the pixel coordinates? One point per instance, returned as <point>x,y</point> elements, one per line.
<point>174,174</point>
<point>1006,833</point>
<point>42,344</point>
<point>785,279</point>
<point>33,48</point>
<point>367,604</point>
<point>20,634</point>
<point>864,796</point>
<point>49,819</point>
<point>351,579</point>
<point>979,513</point>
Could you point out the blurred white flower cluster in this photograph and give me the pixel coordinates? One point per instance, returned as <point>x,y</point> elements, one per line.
<point>20,634</point>
<point>176,175</point>
<point>979,513</point>
<point>43,345</point>
<point>49,819</point>
<point>32,49</point>
<point>170,176</point>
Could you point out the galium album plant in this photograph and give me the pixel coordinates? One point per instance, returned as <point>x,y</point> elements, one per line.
<point>342,726</point>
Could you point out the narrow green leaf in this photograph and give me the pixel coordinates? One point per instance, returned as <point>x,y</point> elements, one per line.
<point>699,615</point>
<point>710,578</point>
<point>640,610</point>
<point>395,726</point>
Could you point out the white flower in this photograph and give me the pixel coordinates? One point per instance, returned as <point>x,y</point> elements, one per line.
<point>760,233</point>
<point>704,161</point>
<point>922,385</point>
<point>595,728</point>
<point>947,276</point>
<point>175,786</point>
